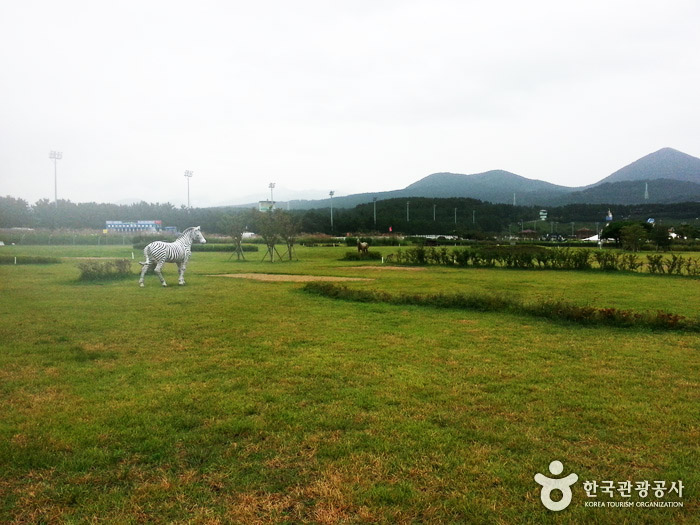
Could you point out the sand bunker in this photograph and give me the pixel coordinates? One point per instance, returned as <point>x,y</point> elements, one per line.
<point>287,278</point>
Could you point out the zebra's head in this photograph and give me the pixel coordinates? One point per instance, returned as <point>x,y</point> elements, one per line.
<point>198,236</point>
<point>195,234</point>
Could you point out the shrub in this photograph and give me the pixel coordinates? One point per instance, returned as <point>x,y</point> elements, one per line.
<point>629,262</point>
<point>223,247</point>
<point>655,263</point>
<point>95,270</point>
<point>675,264</point>
<point>357,256</point>
<point>606,260</point>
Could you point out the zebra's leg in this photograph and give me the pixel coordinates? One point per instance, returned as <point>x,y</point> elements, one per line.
<point>159,274</point>
<point>146,265</point>
<point>181,266</point>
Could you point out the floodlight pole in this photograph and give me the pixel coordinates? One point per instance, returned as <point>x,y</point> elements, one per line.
<point>374,200</point>
<point>272,187</point>
<point>331,193</point>
<point>434,206</point>
<point>188,174</point>
<point>55,156</point>
<point>408,217</point>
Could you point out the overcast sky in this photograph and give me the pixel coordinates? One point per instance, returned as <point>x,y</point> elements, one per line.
<point>352,96</point>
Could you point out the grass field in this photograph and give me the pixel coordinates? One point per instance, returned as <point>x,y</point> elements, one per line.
<point>240,401</point>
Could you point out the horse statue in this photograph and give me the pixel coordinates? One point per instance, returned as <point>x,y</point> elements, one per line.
<point>362,247</point>
<point>158,253</point>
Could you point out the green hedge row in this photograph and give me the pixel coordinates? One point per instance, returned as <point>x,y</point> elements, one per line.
<point>532,256</point>
<point>208,247</point>
<point>28,259</point>
<point>357,256</point>
<point>550,309</point>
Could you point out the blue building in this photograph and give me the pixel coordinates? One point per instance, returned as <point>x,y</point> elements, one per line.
<point>134,226</point>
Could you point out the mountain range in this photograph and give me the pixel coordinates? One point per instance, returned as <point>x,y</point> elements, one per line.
<point>665,176</point>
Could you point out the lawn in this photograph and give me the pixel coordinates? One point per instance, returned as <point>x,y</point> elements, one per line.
<point>234,400</point>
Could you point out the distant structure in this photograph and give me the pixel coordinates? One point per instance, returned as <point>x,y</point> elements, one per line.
<point>646,191</point>
<point>266,206</point>
<point>133,226</point>
<point>543,215</point>
<point>609,216</point>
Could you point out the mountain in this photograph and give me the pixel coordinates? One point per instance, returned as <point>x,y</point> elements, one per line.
<point>494,186</point>
<point>664,191</point>
<point>667,163</point>
<point>669,175</point>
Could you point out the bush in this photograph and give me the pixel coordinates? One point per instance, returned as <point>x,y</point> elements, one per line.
<point>223,247</point>
<point>95,270</point>
<point>357,256</point>
<point>655,263</point>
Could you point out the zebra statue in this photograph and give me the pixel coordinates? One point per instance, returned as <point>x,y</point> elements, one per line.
<point>158,253</point>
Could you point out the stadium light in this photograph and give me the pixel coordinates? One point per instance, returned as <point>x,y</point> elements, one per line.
<point>55,156</point>
<point>331,193</point>
<point>188,174</point>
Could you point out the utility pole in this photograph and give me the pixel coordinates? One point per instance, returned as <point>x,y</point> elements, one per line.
<point>408,217</point>
<point>434,206</point>
<point>374,201</point>
<point>55,156</point>
<point>188,174</point>
<point>331,193</point>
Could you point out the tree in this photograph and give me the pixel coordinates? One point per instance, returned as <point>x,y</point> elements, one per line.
<point>235,225</point>
<point>268,229</point>
<point>633,236</point>
<point>289,227</point>
<point>659,235</point>
<point>14,213</point>
<point>614,229</point>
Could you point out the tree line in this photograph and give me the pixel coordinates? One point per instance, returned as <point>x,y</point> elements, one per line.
<point>416,216</point>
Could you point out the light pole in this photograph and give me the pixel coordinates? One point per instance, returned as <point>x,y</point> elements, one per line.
<point>331,193</point>
<point>55,156</point>
<point>455,215</point>
<point>374,200</point>
<point>272,187</point>
<point>188,175</point>
<point>408,217</point>
<point>434,206</point>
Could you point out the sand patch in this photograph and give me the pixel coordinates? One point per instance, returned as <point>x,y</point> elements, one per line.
<point>403,268</point>
<point>287,278</point>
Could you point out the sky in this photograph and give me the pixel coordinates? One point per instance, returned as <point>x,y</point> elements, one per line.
<point>345,96</point>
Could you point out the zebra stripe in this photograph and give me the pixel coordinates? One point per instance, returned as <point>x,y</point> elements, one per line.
<point>158,253</point>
